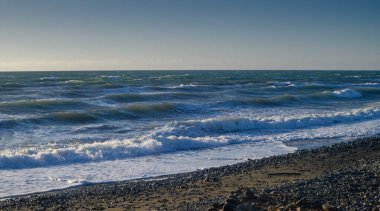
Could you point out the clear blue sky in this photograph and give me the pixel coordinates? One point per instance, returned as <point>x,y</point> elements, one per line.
<point>189,34</point>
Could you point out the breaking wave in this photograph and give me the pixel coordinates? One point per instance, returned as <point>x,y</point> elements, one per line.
<point>343,94</point>
<point>280,84</point>
<point>49,78</point>
<point>191,85</point>
<point>182,135</point>
<point>346,93</point>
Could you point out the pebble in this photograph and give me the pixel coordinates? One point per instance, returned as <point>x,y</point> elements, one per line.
<point>356,188</point>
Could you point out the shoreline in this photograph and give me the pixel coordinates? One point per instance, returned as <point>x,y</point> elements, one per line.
<point>158,177</point>
<point>210,187</point>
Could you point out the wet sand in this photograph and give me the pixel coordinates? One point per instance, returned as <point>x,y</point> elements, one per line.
<point>306,178</point>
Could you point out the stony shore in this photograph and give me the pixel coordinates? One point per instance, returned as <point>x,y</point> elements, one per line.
<point>343,176</point>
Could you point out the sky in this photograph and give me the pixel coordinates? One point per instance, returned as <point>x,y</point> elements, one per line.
<point>189,34</point>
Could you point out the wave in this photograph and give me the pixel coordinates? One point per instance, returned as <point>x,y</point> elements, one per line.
<point>142,108</point>
<point>278,100</point>
<point>41,104</point>
<point>125,97</point>
<point>74,82</point>
<point>346,93</point>
<point>228,124</point>
<point>191,85</point>
<point>285,99</point>
<point>71,117</point>
<point>132,97</point>
<point>280,84</point>
<point>300,85</point>
<point>49,78</point>
<point>12,85</point>
<point>111,86</point>
<point>110,76</point>
<point>370,84</point>
<point>100,151</point>
<point>169,76</point>
<point>315,85</point>
<point>129,112</point>
<point>187,135</point>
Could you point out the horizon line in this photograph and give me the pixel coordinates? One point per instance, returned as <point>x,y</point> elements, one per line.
<point>98,70</point>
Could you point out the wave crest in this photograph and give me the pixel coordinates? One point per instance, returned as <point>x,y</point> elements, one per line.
<point>347,93</point>
<point>182,135</point>
<point>42,104</point>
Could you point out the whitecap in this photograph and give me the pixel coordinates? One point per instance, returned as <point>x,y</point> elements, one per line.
<point>182,135</point>
<point>49,78</point>
<point>347,93</point>
<point>279,84</point>
<point>191,85</point>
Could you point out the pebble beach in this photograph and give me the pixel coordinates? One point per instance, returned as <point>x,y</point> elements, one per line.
<point>343,176</point>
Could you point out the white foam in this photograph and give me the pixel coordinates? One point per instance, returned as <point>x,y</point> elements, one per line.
<point>279,84</point>
<point>48,155</point>
<point>49,78</point>
<point>169,76</point>
<point>73,81</point>
<point>182,136</point>
<point>347,93</point>
<point>15,182</point>
<point>184,86</point>
<point>368,84</point>
<point>243,122</point>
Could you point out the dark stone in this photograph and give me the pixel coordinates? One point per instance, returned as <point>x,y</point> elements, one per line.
<point>249,194</point>
<point>229,207</point>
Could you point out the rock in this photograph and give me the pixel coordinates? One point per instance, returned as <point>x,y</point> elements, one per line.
<point>217,205</point>
<point>249,194</point>
<point>245,207</point>
<point>327,207</point>
<point>232,201</point>
<point>229,207</point>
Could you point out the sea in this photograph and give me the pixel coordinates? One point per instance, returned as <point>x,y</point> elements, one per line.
<point>70,128</point>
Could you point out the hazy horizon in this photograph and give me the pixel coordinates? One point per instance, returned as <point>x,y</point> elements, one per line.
<point>189,35</point>
<point>184,70</point>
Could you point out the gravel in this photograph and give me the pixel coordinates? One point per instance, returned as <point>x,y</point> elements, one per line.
<point>353,188</point>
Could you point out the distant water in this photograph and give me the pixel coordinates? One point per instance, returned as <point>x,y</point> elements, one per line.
<point>59,129</point>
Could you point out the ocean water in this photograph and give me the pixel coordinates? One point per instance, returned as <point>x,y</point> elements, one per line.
<point>61,129</point>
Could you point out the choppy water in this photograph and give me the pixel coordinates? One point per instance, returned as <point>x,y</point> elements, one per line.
<point>59,129</point>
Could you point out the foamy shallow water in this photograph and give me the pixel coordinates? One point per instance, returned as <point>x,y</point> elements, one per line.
<point>16,182</point>
<point>23,181</point>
